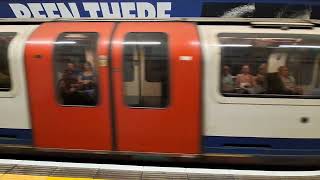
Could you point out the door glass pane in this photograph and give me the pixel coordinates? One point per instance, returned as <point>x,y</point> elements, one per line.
<point>270,65</point>
<point>76,69</point>
<point>146,70</point>
<point>5,80</point>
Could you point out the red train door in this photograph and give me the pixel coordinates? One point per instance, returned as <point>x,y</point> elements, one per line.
<point>156,80</point>
<point>68,78</point>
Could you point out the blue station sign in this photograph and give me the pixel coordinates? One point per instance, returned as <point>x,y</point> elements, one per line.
<point>159,8</point>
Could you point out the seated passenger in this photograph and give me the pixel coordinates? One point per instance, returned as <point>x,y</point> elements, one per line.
<point>227,80</point>
<point>260,79</point>
<point>289,83</point>
<point>245,80</point>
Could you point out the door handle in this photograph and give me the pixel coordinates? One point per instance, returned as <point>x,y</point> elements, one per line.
<point>37,56</point>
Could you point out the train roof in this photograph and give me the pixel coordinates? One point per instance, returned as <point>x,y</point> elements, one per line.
<point>265,22</point>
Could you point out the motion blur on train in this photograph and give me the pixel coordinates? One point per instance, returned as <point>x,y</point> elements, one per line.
<point>182,88</point>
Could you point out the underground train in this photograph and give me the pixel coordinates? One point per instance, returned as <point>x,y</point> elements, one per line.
<point>161,87</point>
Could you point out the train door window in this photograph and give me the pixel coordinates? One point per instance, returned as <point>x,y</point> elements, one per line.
<point>75,69</point>
<point>270,65</point>
<point>146,70</point>
<point>5,80</point>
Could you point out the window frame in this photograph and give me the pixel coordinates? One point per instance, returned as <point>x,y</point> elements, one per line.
<point>239,95</point>
<point>11,66</point>
<point>168,71</point>
<point>212,51</point>
<point>55,80</point>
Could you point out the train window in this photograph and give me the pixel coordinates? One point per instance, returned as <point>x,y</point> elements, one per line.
<point>270,65</point>
<point>5,81</point>
<point>75,69</point>
<point>146,70</point>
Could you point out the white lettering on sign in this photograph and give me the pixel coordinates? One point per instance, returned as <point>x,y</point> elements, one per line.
<point>112,11</point>
<point>51,10</point>
<point>163,7</point>
<point>20,10</point>
<point>92,10</point>
<point>128,9</point>
<point>37,10</point>
<point>65,13</point>
<point>145,10</point>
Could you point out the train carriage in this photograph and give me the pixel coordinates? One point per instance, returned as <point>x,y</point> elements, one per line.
<point>183,87</point>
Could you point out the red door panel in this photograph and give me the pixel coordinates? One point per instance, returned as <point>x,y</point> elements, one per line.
<point>57,126</point>
<point>172,129</point>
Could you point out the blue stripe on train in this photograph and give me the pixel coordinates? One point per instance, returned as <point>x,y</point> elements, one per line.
<point>15,136</point>
<point>267,146</point>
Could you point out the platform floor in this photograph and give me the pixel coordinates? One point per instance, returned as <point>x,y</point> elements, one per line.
<point>42,170</point>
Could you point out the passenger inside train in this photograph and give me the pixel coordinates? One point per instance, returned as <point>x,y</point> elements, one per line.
<point>288,81</point>
<point>227,80</point>
<point>269,65</point>
<point>245,81</point>
<point>76,75</point>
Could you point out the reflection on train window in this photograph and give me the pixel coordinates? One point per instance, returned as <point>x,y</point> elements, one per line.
<point>75,69</point>
<point>5,81</point>
<point>270,65</point>
<point>146,70</point>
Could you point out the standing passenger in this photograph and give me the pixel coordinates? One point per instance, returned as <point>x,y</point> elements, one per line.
<point>74,72</point>
<point>68,87</point>
<point>87,79</point>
